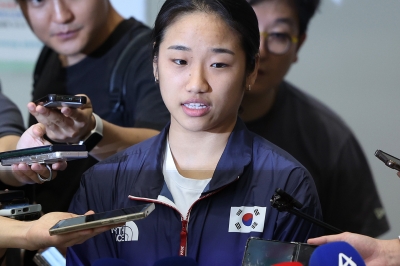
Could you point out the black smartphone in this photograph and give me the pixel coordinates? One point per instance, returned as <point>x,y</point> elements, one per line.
<point>14,202</point>
<point>102,219</point>
<point>56,101</point>
<point>259,251</point>
<point>10,195</point>
<point>41,150</point>
<point>388,159</point>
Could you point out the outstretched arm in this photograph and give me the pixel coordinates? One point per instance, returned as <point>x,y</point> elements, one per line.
<point>34,235</point>
<point>375,252</point>
<point>73,125</point>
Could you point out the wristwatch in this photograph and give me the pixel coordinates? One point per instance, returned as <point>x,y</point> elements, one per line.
<point>95,136</point>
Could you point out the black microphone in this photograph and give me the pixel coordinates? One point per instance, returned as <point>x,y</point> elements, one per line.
<point>282,201</point>
<point>176,261</point>
<point>336,253</point>
<point>110,261</point>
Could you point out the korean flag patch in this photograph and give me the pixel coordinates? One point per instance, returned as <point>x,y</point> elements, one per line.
<point>247,219</point>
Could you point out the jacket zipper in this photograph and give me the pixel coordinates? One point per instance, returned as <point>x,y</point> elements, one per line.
<point>185,222</point>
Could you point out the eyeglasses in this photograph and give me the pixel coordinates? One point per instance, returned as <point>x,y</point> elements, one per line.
<point>278,43</point>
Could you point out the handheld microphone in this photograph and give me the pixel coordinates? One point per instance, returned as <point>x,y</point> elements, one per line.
<point>336,253</point>
<point>176,261</point>
<point>110,261</point>
<point>288,264</point>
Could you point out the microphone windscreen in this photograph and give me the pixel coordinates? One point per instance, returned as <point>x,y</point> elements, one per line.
<point>336,253</point>
<point>110,261</point>
<point>288,264</point>
<point>176,261</point>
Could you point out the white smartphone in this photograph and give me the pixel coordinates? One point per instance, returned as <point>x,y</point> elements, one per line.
<point>46,158</point>
<point>102,219</point>
<point>12,211</point>
<point>49,257</point>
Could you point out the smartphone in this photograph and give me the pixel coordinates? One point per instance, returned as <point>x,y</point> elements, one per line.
<point>388,159</point>
<point>41,149</point>
<point>56,101</point>
<point>27,216</point>
<point>101,219</point>
<point>259,251</point>
<point>10,195</point>
<point>46,158</point>
<point>15,202</point>
<point>49,257</point>
<point>14,210</point>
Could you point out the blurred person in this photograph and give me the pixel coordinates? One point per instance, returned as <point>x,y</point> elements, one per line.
<point>306,128</point>
<point>83,40</point>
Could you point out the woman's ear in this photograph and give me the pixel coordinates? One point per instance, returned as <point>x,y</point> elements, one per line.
<point>251,78</point>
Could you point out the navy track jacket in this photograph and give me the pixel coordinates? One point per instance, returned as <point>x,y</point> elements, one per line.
<point>234,206</point>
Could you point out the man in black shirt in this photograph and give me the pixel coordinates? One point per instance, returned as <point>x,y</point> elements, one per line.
<point>83,41</point>
<point>305,127</point>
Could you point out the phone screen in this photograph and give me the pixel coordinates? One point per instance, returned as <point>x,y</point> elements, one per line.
<point>268,252</point>
<point>103,218</point>
<point>51,256</point>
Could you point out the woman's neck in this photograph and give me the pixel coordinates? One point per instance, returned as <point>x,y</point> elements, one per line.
<point>196,154</point>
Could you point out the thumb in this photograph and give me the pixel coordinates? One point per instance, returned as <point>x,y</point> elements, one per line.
<point>38,130</point>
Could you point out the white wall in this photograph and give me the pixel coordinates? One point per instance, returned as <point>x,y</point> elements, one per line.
<point>351,61</point>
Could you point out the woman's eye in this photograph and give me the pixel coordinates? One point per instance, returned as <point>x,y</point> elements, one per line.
<point>179,62</point>
<point>219,65</point>
<point>36,2</point>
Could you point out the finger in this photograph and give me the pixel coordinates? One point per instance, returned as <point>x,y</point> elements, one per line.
<point>23,174</point>
<point>43,171</point>
<point>51,118</point>
<point>59,166</point>
<point>79,115</point>
<point>39,130</point>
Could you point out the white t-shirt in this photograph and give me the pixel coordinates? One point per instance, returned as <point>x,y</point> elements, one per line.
<point>185,191</point>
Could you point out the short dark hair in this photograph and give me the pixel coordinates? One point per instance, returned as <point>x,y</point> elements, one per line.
<point>305,11</point>
<point>237,14</point>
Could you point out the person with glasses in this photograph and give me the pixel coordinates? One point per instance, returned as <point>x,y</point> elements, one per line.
<point>305,127</point>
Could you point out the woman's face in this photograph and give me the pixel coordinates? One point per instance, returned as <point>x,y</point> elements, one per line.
<point>201,69</point>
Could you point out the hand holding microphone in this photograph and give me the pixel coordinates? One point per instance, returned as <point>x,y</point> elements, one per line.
<point>336,254</point>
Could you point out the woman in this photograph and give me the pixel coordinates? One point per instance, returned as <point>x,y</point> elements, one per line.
<point>211,179</point>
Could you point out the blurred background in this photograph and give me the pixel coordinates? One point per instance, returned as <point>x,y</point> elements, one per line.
<point>350,61</point>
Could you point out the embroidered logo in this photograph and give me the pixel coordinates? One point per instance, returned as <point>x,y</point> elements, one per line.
<point>128,232</point>
<point>346,261</point>
<point>247,219</point>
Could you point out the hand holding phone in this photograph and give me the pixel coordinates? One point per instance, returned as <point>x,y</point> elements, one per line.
<point>57,101</point>
<point>388,159</point>
<point>102,219</point>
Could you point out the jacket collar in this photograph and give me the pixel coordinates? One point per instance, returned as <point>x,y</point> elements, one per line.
<point>236,156</point>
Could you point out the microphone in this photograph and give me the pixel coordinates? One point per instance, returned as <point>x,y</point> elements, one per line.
<point>336,253</point>
<point>110,261</point>
<point>282,201</point>
<point>288,264</point>
<point>176,261</point>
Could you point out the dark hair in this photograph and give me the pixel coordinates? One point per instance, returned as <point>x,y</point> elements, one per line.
<point>305,11</point>
<point>237,14</point>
